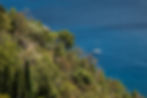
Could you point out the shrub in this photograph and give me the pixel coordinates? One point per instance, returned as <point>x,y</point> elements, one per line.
<point>4,96</point>
<point>68,90</point>
<point>59,50</point>
<point>19,23</point>
<point>67,38</point>
<point>82,77</point>
<point>8,62</point>
<point>135,94</point>
<point>5,22</point>
<point>2,9</point>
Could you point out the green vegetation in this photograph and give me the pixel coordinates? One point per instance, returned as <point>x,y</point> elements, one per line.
<point>36,62</point>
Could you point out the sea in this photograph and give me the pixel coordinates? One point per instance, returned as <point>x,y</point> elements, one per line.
<point>113,31</point>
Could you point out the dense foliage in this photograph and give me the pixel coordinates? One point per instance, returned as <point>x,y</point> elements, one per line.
<point>36,62</point>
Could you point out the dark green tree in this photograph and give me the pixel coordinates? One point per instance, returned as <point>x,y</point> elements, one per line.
<point>27,77</point>
<point>67,38</point>
<point>82,78</point>
<point>5,22</point>
<point>6,80</point>
<point>18,23</point>
<point>2,9</point>
<point>15,85</point>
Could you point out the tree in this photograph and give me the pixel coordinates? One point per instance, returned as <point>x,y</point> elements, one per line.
<point>82,78</point>
<point>15,85</point>
<point>47,89</point>
<point>5,22</point>
<point>6,84</point>
<point>59,50</point>
<point>4,96</point>
<point>2,9</point>
<point>27,80</point>
<point>8,62</point>
<point>19,22</point>
<point>67,38</point>
<point>135,94</point>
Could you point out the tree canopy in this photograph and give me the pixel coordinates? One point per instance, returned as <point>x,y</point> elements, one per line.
<point>36,62</point>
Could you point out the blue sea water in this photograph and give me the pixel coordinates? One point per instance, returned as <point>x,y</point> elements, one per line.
<point>123,54</point>
<point>118,28</point>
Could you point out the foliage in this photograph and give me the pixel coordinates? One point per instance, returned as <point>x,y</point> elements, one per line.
<point>36,62</point>
<point>5,21</point>
<point>2,9</point>
<point>135,94</point>
<point>82,77</point>
<point>66,38</point>
<point>4,96</point>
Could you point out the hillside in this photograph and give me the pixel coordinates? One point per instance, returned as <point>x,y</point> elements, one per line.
<point>36,62</point>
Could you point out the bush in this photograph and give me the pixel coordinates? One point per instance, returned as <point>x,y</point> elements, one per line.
<point>8,62</point>
<point>59,50</point>
<point>116,87</point>
<point>68,90</point>
<point>82,77</point>
<point>135,94</point>
<point>19,23</point>
<point>5,22</point>
<point>67,38</point>
<point>2,9</point>
<point>4,96</point>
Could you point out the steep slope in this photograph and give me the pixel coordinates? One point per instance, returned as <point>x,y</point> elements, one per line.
<point>36,62</point>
